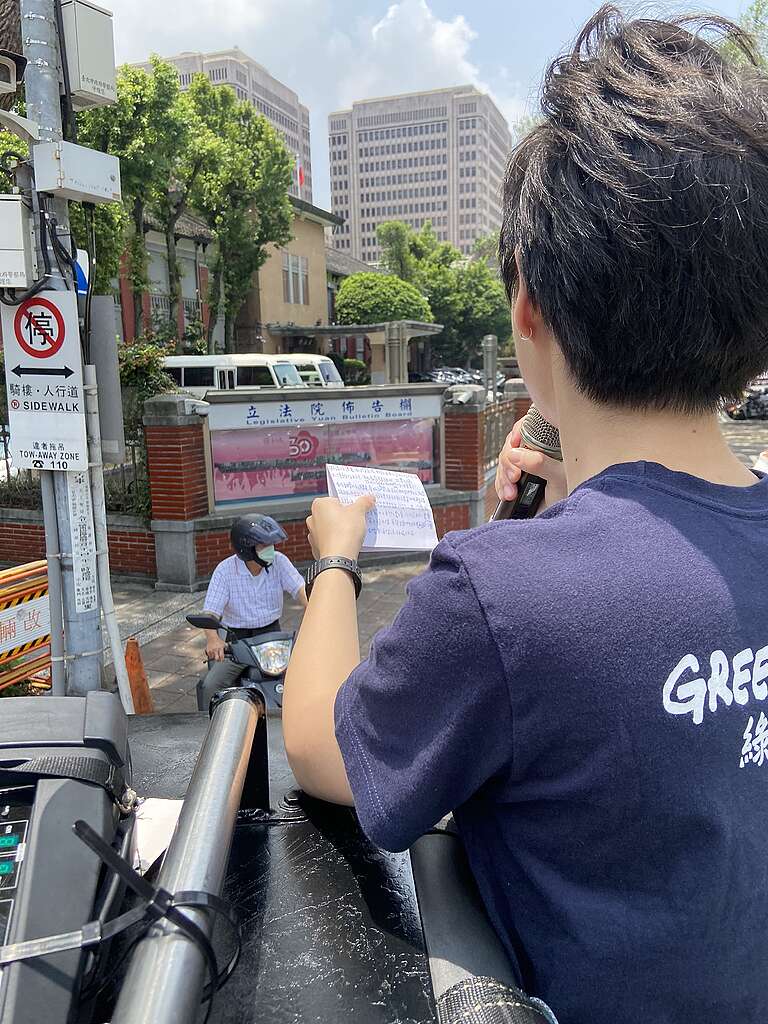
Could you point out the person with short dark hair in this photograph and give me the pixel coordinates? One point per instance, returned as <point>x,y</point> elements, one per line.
<point>245,594</point>
<point>587,691</point>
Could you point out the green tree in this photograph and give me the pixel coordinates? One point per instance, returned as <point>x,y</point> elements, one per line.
<point>143,129</point>
<point>755,22</point>
<point>199,149</point>
<point>107,246</point>
<point>464,294</point>
<point>244,199</point>
<point>487,248</point>
<point>394,239</point>
<point>375,298</point>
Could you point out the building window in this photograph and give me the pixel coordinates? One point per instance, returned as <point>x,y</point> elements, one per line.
<point>295,279</point>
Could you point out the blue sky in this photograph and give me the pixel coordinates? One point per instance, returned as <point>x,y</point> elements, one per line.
<point>334,51</point>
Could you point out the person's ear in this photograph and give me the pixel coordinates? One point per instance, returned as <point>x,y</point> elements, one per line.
<point>525,316</point>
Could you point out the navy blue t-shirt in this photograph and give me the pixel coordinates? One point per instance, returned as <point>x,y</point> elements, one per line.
<point>587,690</point>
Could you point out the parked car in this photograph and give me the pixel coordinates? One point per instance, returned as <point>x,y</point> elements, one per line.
<point>316,371</point>
<point>201,374</point>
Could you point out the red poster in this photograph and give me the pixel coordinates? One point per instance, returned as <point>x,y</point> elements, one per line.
<point>273,462</point>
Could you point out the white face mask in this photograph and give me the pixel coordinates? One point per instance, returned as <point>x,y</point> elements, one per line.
<point>267,555</point>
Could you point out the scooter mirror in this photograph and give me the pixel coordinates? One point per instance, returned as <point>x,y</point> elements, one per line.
<point>204,621</point>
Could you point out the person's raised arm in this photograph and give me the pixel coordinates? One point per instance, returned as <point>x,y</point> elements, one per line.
<point>327,649</point>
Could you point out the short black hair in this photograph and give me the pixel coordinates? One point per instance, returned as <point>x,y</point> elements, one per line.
<point>638,207</point>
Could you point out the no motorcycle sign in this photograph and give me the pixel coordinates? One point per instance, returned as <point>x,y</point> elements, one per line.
<point>44,382</point>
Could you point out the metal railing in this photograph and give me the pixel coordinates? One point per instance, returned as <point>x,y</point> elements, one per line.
<point>126,484</point>
<point>19,488</point>
<point>498,420</point>
<point>192,311</point>
<point>160,304</point>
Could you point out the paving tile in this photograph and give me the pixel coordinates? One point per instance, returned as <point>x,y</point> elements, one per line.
<point>164,702</point>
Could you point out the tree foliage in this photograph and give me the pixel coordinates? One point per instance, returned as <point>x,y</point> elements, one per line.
<point>755,22</point>
<point>465,295</point>
<point>144,129</point>
<point>203,152</point>
<point>487,248</point>
<point>376,298</point>
<point>395,239</point>
<point>244,198</point>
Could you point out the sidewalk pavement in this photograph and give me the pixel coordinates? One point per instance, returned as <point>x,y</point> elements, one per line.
<point>173,651</point>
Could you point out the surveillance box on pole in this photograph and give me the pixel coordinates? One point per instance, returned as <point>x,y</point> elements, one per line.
<point>18,263</point>
<point>74,172</point>
<point>90,43</point>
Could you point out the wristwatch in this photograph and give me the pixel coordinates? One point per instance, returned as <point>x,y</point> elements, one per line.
<point>334,562</point>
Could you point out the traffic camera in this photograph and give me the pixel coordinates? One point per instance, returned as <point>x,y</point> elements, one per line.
<point>11,71</point>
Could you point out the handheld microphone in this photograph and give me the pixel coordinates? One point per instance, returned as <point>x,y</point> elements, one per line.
<point>538,435</point>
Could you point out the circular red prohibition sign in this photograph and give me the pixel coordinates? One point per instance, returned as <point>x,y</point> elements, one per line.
<point>34,323</point>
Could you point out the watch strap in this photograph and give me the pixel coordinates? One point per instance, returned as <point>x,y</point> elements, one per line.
<point>335,562</point>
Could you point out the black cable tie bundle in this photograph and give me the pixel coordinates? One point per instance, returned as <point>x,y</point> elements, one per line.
<point>157,904</point>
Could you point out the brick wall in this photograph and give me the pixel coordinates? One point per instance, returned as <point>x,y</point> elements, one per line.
<point>131,551</point>
<point>464,448</point>
<point>21,542</point>
<point>176,465</point>
<point>451,517</point>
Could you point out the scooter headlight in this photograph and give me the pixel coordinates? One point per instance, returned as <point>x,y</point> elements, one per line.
<point>273,657</point>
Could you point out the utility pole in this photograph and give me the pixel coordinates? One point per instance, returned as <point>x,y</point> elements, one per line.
<point>84,657</point>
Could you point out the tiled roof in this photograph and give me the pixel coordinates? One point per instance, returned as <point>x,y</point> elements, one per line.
<point>341,265</point>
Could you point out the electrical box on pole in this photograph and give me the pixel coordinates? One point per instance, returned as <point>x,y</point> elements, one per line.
<point>18,255</point>
<point>74,172</point>
<point>90,44</point>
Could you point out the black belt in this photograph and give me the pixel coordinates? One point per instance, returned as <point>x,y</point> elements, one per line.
<point>249,631</point>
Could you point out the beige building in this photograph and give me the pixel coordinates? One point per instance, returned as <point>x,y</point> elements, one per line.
<point>291,290</point>
<point>290,306</point>
<point>437,156</point>
<point>252,82</point>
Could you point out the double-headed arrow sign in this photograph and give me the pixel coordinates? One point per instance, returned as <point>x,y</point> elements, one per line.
<point>33,371</point>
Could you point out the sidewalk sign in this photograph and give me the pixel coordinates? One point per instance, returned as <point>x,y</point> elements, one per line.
<point>44,382</point>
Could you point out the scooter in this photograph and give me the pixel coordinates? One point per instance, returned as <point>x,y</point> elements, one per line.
<point>264,656</point>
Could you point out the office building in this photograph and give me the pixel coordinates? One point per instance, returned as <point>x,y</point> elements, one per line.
<point>437,156</point>
<point>252,82</point>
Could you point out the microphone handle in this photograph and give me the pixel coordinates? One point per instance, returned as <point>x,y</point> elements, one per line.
<point>530,494</point>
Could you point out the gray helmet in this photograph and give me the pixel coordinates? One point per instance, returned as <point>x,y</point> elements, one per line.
<point>256,531</point>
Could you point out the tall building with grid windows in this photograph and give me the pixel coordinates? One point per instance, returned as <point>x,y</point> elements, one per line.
<point>252,82</point>
<point>437,156</point>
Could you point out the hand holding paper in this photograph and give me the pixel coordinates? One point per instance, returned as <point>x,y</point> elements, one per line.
<point>402,519</point>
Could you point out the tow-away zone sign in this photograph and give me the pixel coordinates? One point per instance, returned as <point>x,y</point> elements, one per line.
<point>44,382</point>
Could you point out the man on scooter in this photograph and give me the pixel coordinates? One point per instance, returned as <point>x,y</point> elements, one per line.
<point>246,594</point>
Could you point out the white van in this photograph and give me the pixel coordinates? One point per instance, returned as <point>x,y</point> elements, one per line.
<point>316,371</point>
<point>199,374</point>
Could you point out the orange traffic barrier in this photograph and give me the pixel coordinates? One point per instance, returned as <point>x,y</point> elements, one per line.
<point>142,696</point>
<point>24,625</point>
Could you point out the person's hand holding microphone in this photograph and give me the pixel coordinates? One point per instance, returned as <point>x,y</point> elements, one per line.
<point>530,476</point>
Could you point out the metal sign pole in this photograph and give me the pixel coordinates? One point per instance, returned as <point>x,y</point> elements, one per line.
<point>41,48</point>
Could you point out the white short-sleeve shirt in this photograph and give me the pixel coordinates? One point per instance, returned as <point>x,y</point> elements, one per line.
<point>244,601</point>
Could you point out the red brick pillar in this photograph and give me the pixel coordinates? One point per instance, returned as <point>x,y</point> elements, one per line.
<point>516,390</point>
<point>178,484</point>
<point>465,439</point>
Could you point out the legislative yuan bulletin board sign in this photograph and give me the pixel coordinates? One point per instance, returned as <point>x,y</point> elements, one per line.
<point>263,450</point>
<point>44,382</point>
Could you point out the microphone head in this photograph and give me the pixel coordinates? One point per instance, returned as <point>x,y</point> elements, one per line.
<point>539,434</point>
